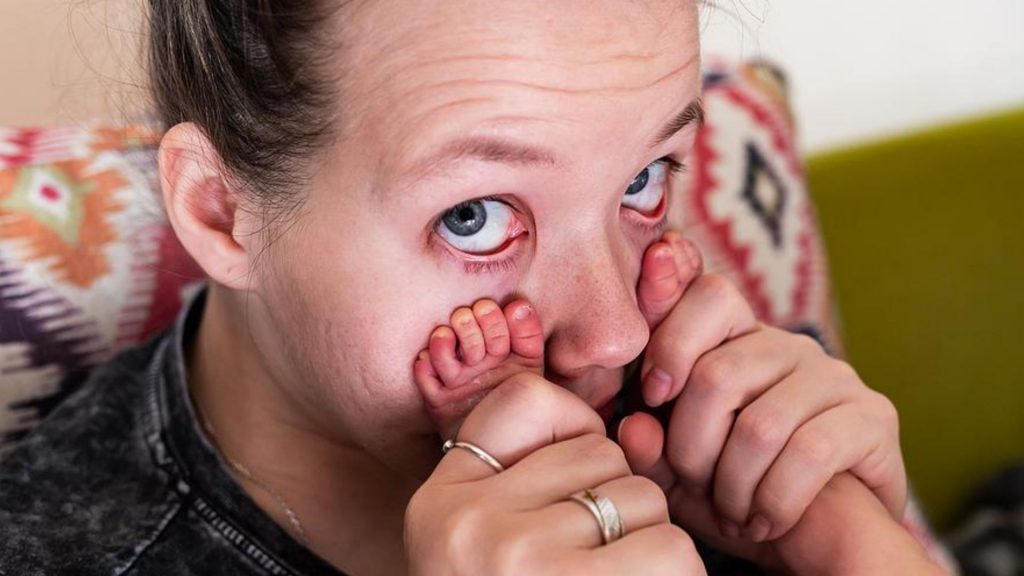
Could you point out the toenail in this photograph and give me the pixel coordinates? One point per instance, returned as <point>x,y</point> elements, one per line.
<point>522,312</point>
<point>485,309</point>
<point>663,254</point>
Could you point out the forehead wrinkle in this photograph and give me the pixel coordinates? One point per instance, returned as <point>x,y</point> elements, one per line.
<point>480,147</point>
<point>510,57</point>
<point>596,89</point>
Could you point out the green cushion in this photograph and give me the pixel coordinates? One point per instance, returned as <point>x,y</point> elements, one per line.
<point>925,236</point>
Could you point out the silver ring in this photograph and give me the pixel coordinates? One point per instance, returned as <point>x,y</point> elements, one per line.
<point>607,515</point>
<point>476,451</point>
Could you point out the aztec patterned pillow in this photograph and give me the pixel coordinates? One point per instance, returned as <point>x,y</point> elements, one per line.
<point>89,266</point>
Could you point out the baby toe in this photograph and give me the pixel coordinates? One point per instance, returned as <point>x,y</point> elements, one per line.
<point>494,326</point>
<point>525,331</point>
<point>426,378</point>
<point>659,287</point>
<point>470,337</point>
<point>442,355</point>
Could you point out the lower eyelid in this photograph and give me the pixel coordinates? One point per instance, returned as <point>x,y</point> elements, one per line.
<point>650,224</point>
<point>481,263</point>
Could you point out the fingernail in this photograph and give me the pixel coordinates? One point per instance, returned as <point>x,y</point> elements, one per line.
<point>759,528</point>
<point>729,529</point>
<point>618,431</point>
<point>660,385</point>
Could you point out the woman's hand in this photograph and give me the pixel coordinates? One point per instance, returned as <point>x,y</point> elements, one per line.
<point>468,519</point>
<point>762,419</point>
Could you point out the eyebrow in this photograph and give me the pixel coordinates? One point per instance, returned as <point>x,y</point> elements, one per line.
<point>487,149</point>
<point>491,149</point>
<point>692,114</point>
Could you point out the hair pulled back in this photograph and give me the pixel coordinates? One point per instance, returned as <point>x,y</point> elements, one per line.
<point>252,75</point>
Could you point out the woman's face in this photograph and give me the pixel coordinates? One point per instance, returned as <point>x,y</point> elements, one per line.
<point>541,115</point>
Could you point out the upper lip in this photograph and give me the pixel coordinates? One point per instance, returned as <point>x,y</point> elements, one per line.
<point>596,401</point>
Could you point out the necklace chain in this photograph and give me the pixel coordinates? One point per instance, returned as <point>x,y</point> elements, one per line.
<point>293,518</point>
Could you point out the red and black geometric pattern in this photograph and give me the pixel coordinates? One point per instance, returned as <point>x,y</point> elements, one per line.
<point>745,203</point>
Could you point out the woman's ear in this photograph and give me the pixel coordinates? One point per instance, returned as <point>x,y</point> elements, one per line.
<point>203,208</point>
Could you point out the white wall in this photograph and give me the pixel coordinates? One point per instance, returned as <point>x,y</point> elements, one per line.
<point>68,61</point>
<point>861,69</point>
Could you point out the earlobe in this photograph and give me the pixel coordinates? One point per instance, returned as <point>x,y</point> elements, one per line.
<point>202,206</point>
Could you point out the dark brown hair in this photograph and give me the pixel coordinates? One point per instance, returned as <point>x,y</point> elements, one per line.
<point>252,75</point>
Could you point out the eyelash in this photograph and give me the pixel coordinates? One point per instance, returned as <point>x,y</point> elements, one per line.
<point>504,265</point>
<point>510,262</point>
<point>674,166</point>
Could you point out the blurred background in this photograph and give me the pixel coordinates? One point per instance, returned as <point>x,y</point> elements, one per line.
<point>911,120</point>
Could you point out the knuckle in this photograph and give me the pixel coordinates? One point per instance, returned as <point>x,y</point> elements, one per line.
<point>729,505</point>
<point>708,388</point>
<point>845,371</point>
<point>459,532</point>
<point>674,355</point>
<point>887,411</point>
<point>716,368</point>
<point>678,539</point>
<point>815,451</point>
<point>676,544</point>
<point>760,430</point>
<point>806,343</point>
<point>526,390</point>
<point>650,496</point>
<point>513,554</point>
<point>773,503</point>
<point>598,448</point>
<point>684,464</point>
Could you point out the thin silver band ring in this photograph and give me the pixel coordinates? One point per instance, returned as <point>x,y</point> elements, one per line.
<point>476,451</point>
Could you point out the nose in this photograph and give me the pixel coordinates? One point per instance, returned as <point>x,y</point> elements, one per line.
<point>591,308</point>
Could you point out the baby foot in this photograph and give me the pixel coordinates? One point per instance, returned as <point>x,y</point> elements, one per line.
<point>483,346</point>
<point>669,266</point>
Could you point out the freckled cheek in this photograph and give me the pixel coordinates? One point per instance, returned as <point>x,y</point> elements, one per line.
<point>392,323</point>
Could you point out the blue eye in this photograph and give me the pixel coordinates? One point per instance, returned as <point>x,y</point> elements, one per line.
<point>644,194</point>
<point>466,219</point>
<point>477,226</point>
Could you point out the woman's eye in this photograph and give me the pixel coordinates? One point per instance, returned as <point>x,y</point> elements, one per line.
<point>648,188</point>
<point>478,226</point>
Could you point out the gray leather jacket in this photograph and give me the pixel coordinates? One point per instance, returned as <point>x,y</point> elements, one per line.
<point>120,480</point>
